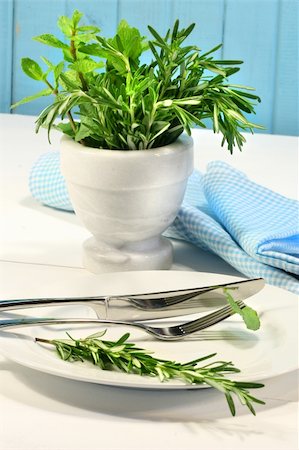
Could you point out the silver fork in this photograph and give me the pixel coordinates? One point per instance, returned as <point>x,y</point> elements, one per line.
<point>175,332</point>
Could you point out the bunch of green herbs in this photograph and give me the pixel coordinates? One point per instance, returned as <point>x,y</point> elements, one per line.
<point>125,356</point>
<point>113,101</point>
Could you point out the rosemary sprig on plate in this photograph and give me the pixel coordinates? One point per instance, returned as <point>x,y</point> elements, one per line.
<point>127,357</point>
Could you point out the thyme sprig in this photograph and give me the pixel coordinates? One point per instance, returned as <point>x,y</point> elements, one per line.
<point>126,357</point>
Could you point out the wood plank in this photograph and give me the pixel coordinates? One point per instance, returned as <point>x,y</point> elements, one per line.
<point>208,15</point>
<point>32,18</point>
<point>102,13</point>
<point>6,39</point>
<point>140,14</point>
<point>286,101</point>
<point>250,35</point>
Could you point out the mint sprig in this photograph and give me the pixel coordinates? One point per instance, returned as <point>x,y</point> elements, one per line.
<point>249,315</point>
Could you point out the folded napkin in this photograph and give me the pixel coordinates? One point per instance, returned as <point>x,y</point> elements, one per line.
<point>251,227</point>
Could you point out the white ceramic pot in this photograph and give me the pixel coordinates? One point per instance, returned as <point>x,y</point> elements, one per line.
<point>126,199</point>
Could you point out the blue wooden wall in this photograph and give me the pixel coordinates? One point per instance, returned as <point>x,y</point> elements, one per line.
<point>264,33</point>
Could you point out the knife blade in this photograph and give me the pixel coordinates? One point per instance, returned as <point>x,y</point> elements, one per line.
<point>153,305</point>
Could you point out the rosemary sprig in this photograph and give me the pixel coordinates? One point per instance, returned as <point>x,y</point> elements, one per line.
<point>126,357</point>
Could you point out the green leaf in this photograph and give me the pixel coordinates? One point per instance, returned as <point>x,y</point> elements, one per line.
<point>69,80</point>
<point>32,68</point>
<point>89,29</point>
<point>86,65</point>
<point>157,57</point>
<point>214,49</point>
<point>82,132</point>
<point>227,62</point>
<point>58,70</point>
<point>215,118</point>
<point>188,101</point>
<point>91,49</point>
<point>185,33</point>
<point>123,339</point>
<point>230,403</point>
<point>230,71</point>
<point>51,40</point>
<point>161,131</point>
<point>129,39</point>
<point>47,62</point>
<point>214,69</point>
<point>83,38</point>
<point>175,30</point>
<point>251,318</point>
<point>30,98</point>
<point>248,314</point>
<point>77,16</point>
<point>65,25</point>
<point>246,94</point>
<point>67,55</point>
<point>237,115</point>
<point>66,128</point>
<point>156,35</point>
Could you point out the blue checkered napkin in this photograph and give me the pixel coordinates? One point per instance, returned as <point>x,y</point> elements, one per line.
<point>47,184</point>
<point>264,223</point>
<point>249,226</point>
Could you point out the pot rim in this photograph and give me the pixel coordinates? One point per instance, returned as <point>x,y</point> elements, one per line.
<point>180,144</point>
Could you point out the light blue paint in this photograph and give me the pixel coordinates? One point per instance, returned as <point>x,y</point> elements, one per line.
<point>6,39</point>
<point>250,35</point>
<point>286,98</point>
<point>208,17</point>
<point>102,13</point>
<point>156,13</point>
<point>32,18</point>
<point>264,33</point>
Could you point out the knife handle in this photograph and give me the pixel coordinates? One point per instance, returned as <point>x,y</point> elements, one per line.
<point>99,304</point>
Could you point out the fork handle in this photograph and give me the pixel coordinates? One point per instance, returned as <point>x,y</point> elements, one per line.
<point>31,321</point>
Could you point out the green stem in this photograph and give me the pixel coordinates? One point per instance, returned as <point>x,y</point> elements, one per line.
<point>69,115</point>
<point>44,341</point>
<point>74,55</point>
<point>54,90</point>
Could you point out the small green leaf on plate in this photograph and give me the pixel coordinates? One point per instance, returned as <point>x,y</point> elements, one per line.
<point>251,318</point>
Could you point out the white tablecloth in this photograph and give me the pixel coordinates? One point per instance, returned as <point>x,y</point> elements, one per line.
<point>40,251</point>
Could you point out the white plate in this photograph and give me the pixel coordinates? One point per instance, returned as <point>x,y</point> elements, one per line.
<point>269,352</point>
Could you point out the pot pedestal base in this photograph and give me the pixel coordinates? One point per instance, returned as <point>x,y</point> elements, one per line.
<point>154,254</point>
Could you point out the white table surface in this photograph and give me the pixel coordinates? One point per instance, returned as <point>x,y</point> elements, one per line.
<point>40,251</point>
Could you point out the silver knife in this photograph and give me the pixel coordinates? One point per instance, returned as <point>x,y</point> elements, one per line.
<point>154,305</point>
